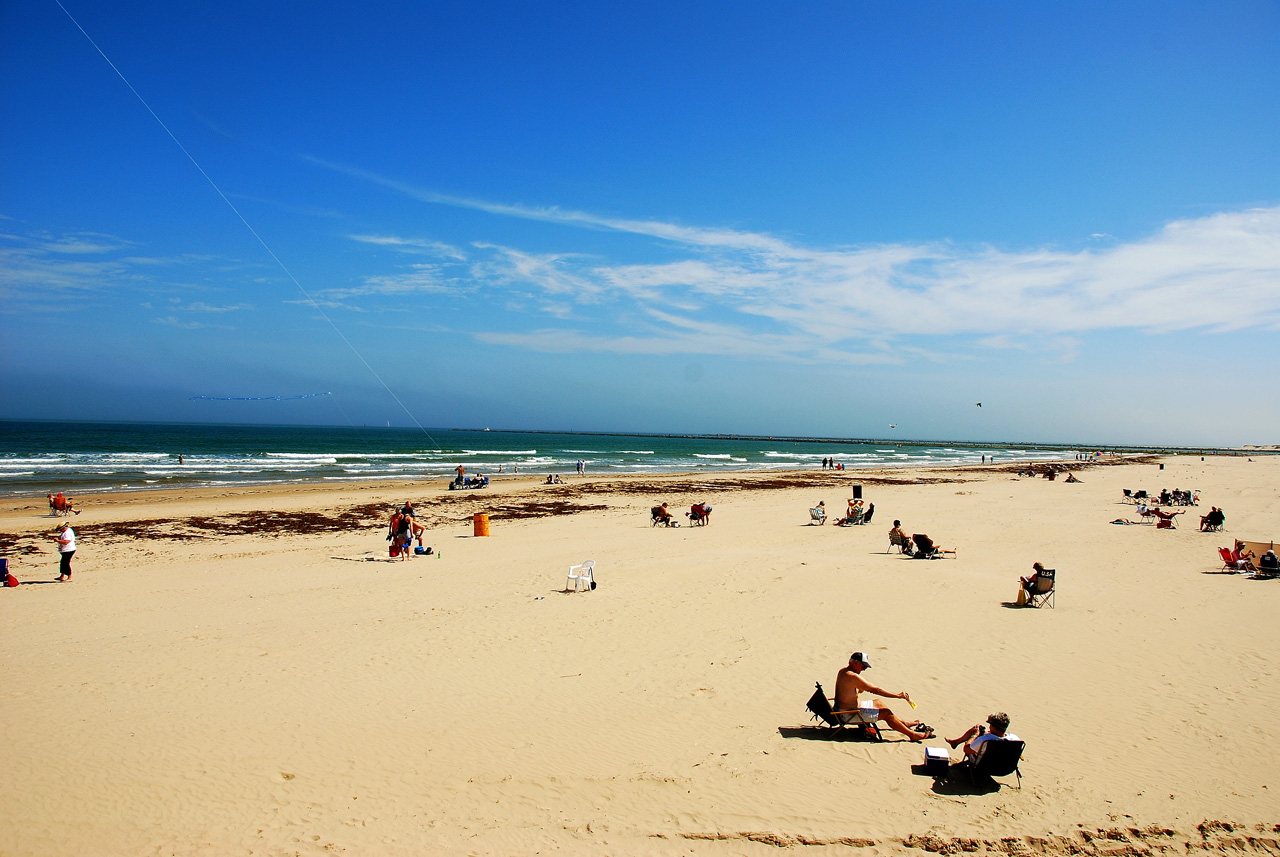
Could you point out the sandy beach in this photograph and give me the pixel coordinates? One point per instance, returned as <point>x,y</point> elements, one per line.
<point>246,672</point>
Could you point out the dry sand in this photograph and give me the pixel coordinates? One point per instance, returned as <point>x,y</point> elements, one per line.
<point>242,692</point>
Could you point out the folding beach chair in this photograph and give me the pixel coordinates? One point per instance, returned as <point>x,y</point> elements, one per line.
<point>926,549</point>
<point>817,515</point>
<point>996,758</point>
<point>902,543</point>
<point>1046,588</point>
<point>820,706</point>
<point>1231,563</point>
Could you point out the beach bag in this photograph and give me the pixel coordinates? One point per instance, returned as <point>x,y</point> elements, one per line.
<point>1022,597</point>
<point>9,579</point>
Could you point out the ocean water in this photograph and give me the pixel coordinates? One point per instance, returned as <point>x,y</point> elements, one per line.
<point>37,458</point>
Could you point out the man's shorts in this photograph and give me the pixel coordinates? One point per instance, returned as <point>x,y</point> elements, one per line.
<point>865,714</point>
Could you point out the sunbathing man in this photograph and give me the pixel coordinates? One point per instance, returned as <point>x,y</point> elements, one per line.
<point>1243,557</point>
<point>978,735</point>
<point>849,683</point>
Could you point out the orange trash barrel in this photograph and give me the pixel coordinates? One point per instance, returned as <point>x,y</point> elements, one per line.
<point>481,522</point>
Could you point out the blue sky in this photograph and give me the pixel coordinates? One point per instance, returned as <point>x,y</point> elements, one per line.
<point>814,219</point>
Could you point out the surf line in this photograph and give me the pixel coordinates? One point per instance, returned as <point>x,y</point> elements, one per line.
<point>256,398</point>
<point>247,225</point>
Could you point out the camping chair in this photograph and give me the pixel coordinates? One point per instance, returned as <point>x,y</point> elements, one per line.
<point>925,549</point>
<point>818,514</point>
<point>584,577</point>
<point>902,543</point>
<point>821,708</point>
<point>996,758</point>
<point>699,514</point>
<point>1165,519</point>
<point>1045,589</point>
<point>1212,523</point>
<point>659,515</point>
<point>866,516</point>
<point>1128,495</point>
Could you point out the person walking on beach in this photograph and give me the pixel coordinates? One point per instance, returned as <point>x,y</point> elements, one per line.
<point>66,539</point>
<point>849,683</point>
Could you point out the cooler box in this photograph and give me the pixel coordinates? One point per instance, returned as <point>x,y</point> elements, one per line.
<point>936,761</point>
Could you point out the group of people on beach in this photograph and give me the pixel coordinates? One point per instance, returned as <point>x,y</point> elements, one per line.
<point>699,513</point>
<point>402,531</point>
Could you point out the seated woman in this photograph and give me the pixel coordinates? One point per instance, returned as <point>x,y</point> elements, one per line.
<point>1031,581</point>
<point>1071,477</point>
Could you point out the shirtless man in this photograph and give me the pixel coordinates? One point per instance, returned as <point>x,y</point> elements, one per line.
<point>849,682</point>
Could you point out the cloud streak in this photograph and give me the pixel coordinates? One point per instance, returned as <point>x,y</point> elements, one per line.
<point>1219,273</point>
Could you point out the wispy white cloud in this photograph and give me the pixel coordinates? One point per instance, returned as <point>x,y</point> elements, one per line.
<point>412,245</point>
<point>1216,273</point>
<point>200,306</point>
<point>187,324</point>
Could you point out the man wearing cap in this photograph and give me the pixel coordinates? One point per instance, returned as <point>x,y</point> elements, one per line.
<point>67,547</point>
<point>849,683</point>
<point>978,735</point>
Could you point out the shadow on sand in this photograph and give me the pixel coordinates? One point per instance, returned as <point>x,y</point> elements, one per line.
<point>958,782</point>
<point>824,733</point>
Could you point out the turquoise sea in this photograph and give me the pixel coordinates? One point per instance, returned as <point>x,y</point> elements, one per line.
<point>75,457</point>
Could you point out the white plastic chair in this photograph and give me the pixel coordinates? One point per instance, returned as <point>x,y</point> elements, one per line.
<point>581,576</point>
